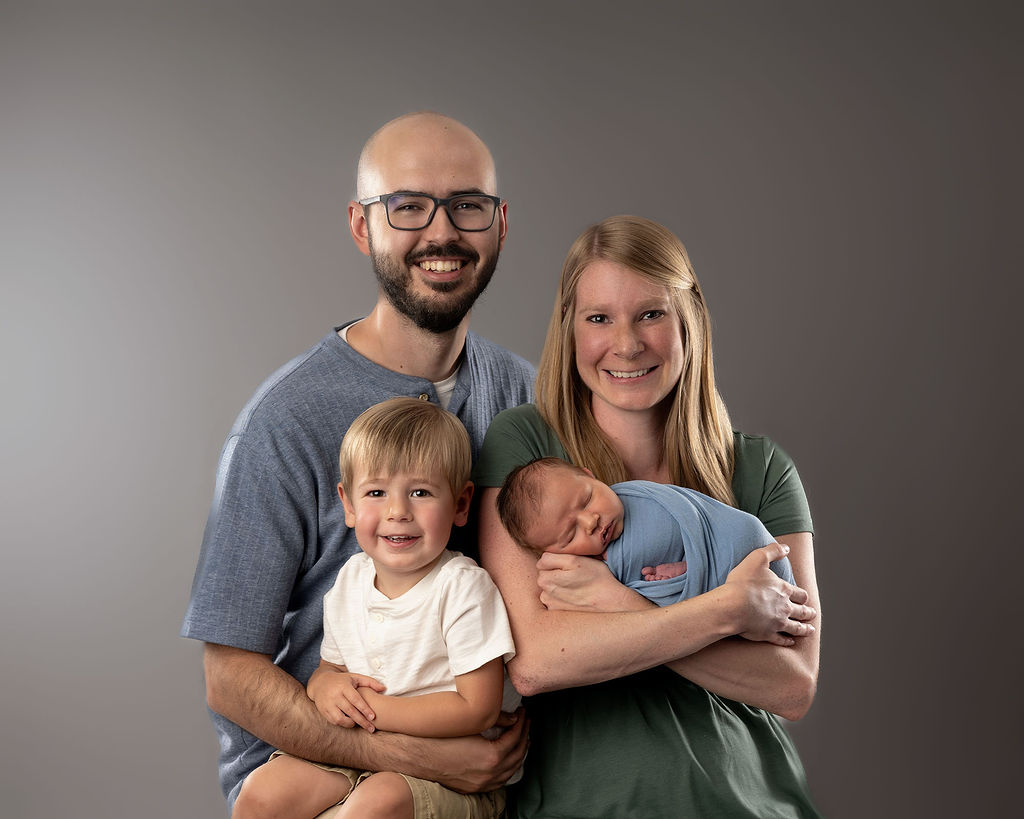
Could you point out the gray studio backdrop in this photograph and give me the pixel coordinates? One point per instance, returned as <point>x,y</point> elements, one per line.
<point>173,185</point>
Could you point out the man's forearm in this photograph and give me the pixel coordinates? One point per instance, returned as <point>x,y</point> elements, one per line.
<point>252,692</point>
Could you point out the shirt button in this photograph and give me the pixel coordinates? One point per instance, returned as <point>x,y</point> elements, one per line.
<point>379,618</point>
<point>377,663</point>
<point>424,397</point>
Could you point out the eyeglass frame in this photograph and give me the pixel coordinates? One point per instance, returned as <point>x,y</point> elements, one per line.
<point>438,201</point>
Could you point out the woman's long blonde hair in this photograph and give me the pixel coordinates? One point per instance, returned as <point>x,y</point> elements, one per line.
<point>698,436</point>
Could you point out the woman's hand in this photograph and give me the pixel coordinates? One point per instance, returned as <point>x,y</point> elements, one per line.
<point>576,583</point>
<point>772,610</point>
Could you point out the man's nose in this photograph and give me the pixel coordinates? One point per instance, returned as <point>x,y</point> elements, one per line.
<point>441,228</point>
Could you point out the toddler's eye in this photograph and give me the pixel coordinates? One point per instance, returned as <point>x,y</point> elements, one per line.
<point>420,493</point>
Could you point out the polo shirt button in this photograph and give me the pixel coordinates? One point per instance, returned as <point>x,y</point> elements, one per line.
<point>424,397</point>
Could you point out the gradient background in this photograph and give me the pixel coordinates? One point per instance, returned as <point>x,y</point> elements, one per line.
<point>173,185</point>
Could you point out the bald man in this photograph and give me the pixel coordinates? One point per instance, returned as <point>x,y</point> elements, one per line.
<point>429,217</point>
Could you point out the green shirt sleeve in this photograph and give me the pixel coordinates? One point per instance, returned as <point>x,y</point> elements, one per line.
<point>766,484</point>
<point>515,436</point>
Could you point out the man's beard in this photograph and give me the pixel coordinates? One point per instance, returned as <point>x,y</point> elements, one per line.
<point>436,315</point>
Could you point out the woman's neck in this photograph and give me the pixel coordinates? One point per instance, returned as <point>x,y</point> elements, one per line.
<point>638,438</point>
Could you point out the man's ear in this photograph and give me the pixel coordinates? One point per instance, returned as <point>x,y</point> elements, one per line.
<point>462,503</point>
<point>359,228</point>
<point>350,512</point>
<point>502,224</point>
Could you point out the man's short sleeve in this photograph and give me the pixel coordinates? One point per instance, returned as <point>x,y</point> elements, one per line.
<point>252,550</point>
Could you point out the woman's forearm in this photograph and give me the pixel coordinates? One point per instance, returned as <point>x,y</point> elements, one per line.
<point>779,679</point>
<point>560,649</point>
<point>564,648</point>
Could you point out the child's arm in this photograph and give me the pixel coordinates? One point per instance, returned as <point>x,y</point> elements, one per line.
<point>473,707</point>
<point>338,695</point>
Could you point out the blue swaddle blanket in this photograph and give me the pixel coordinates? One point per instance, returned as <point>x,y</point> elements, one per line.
<point>666,524</point>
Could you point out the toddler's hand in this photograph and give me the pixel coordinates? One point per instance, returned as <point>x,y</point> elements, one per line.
<point>338,699</point>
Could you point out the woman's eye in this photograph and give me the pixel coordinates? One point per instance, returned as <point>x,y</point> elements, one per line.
<point>652,314</point>
<point>597,318</point>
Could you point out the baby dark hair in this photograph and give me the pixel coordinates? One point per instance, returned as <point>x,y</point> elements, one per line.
<point>519,498</point>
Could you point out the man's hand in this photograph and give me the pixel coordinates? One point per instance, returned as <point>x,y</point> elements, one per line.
<point>475,764</point>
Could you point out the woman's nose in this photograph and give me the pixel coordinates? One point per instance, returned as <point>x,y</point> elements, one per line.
<point>628,344</point>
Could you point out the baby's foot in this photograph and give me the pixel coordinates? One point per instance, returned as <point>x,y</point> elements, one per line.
<point>664,571</point>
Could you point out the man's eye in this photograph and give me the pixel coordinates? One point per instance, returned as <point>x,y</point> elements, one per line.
<point>467,204</point>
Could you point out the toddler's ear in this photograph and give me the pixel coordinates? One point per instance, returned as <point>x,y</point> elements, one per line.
<point>350,512</point>
<point>462,503</point>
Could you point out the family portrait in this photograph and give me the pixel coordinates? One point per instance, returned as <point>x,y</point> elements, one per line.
<point>581,419</point>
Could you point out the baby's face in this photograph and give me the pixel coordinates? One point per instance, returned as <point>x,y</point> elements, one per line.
<point>579,515</point>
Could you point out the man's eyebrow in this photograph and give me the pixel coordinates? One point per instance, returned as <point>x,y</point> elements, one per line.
<point>461,192</point>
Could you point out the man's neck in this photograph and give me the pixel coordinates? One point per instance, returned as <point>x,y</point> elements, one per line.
<point>393,341</point>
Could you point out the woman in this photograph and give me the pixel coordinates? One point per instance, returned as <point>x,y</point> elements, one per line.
<point>635,710</point>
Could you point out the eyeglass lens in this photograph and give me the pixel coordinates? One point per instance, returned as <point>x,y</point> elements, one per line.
<point>410,212</point>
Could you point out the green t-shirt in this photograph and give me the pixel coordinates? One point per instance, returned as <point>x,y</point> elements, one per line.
<point>653,744</point>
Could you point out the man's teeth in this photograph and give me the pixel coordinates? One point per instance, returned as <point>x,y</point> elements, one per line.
<point>440,267</point>
<point>630,374</point>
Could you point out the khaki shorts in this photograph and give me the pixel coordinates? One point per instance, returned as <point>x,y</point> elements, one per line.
<point>431,800</point>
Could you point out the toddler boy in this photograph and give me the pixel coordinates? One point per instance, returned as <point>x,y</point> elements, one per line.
<point>415,636</point>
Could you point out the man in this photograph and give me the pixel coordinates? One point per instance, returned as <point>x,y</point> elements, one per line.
<point>429,218</point>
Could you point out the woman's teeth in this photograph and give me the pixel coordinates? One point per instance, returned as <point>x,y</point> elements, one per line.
<point>630,374</point>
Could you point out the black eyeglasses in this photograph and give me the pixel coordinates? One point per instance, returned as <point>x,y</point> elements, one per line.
<point>414,211</point>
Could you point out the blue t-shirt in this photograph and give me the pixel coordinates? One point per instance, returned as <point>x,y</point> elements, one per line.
<point>276,536</point>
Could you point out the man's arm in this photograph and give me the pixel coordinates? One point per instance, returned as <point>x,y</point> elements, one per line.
<point>252,692</point>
